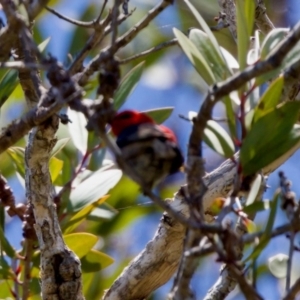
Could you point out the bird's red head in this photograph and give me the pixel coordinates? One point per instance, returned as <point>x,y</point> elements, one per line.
<point>128,118</point>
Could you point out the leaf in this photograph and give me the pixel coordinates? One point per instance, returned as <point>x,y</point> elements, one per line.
<point>77,130</point>
<point>269,99</point>
<point>230,116</point>
<point>8,84</point>
<point>230,59</point>
<point>95,261</point>
<point>159,115</point>
<point>204,26</point>
<point>214,57</point>
<point>17,155</point>
<point>268,230</point>
<point>245,21</point>
<point>60,144</point>
<point>195,57</point>
<point>127,85</point>
<point>42,46</point>
<point>93,188</point>
<point>278,265</point>
<point>270,137</point>
<point>5,271</point>
<point>55,167</point>
<point>273,38</point>
<point>254,190</point>
<point>5,245</point>
<point>216,137</point>
<point>256,207</point>
<point>81,243</point>
<point>69,224</point>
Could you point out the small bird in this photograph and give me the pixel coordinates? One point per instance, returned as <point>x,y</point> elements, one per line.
<point>150,149</point>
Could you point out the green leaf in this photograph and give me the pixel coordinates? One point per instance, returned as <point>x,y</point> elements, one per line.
<point>216,61</point>
<point>270,137</point>
<point>278,265</point>
<point>5,270</point>
<point>267,232</point>
<point>204,26</point>
<point>5,245</point>
<point>254,190</point>
<point>8,84</point>
<point>196,58</point>
<point>77,130</point>
<point>230,114</point>
<point>95,261</point>
<point>127,85</point>
<point>273,38</point>
<point>245,20</point>
<point>17,155</point>
<point>159,115</point>
<point>81,243</point>
<point>69,224</point>
<point>216,137</point>
<point>55,167</point>
<point>93,188</point>
<point>256,207</point>
<point>42,46</point>
<point>269,99</point>
<point>60,144</point>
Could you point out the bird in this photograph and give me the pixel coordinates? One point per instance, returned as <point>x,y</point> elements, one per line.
<point>150,149</point>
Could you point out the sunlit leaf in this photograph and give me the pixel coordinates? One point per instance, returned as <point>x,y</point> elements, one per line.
<point>93,188</point>
<point>195,57</point>
<point>60,144</point>
<point>17,155</point>
<point>257,206</point>
<point>42,46</point>
<point>269,99</point>
<point>159,115</point>
<point>211,55</point>
<point>270,137</point>
<point>77,130</point>
<point>254,190</point>
<point>127,85</point>
<point>245,21</point>
<point>81,243</point>
<point>69,224</point>
<point>216,137</point>
<point>55,167</point>
<point>204,26</point>
<point>95,261</point>
<point>278,265</point>
<point>8,83</point>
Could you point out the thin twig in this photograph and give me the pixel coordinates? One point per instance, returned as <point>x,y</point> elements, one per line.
<point>149,51</point>
<point>295,289</point>
<point>70,20</point>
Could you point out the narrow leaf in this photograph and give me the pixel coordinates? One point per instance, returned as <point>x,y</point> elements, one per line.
<point>60,144</point>
<point>245,18</point>
<point>269,99</point>
<point>195,57</point>
<point>77,130</point>
<point>216,137</point>
<point>17,156</point>
<point>81,243</point>
<point>127,85</point>
<point>270,137</point>
<point>159,115</point>
<point>8,84</point>
<point>55,167</point>
<point>93,188</point>
<point>95,261</point>
<point>5,245</point>
<point>42,46</point>
<point>69,224</point>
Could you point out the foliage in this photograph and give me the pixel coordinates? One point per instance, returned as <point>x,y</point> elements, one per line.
<point>91,187</point>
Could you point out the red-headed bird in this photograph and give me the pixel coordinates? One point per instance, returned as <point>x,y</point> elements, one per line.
<point>150,149</point>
